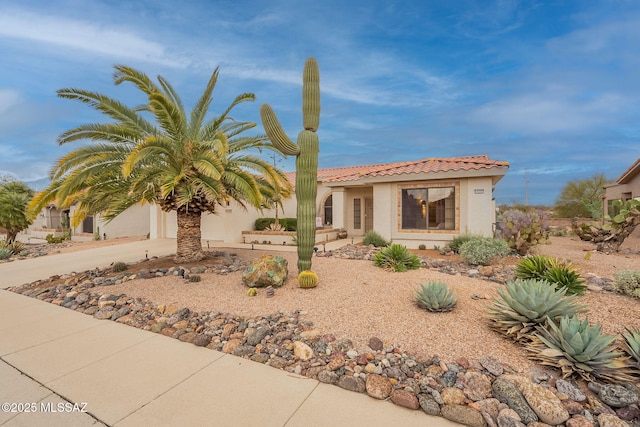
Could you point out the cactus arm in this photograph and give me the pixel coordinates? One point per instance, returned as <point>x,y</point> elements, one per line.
<point>276,134</point>
<point>311,95</point>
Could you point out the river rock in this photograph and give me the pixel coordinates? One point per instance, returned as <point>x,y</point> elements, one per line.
<point>571,390</point>
<point>608,420</point>
<point>463,415</point>
<point>378,386</point>
<point>302,351</point>
<point>478,386</point>
<point>428,404</point>
<point>617,396</point>
<point>578,421</point>
<point>351,383</point>
<point>544,403</point>
<point>507,392</point>
<point>405,399</point>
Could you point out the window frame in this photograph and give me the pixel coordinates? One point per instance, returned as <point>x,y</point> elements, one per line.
<point>426,186</point>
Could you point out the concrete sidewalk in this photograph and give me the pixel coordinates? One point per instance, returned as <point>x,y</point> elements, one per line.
<point>55,359</point>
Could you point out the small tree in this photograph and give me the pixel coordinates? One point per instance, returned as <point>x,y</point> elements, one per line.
<point>14,198</point>
<point>582,198</point>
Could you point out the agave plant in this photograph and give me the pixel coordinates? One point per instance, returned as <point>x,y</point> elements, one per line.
<point>632,343</point>
<point>575,347</point>
<point>436,296</point>
<point>396,258</point>
<point>563,276</point>
<point>534,266</point>
<point>524,304</point>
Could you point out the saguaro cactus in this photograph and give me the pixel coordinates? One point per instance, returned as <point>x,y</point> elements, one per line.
<point>306,152</point>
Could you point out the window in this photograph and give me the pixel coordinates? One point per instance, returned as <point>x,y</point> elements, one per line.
<point>428,208</point>
<point>328,210</point>
<point>357,224</point>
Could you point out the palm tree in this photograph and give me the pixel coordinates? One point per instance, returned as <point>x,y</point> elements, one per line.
<point>184,163</point>
<point>14,197</point>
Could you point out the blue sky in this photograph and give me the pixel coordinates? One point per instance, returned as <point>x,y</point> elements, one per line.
<point>550,86</point>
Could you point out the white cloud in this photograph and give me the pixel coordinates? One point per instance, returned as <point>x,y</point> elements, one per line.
<point>80,35</point>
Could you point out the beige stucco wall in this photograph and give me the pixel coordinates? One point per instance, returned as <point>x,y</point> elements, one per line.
<point>623,191</point>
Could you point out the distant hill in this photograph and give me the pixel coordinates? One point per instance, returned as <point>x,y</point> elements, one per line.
<point>38,184</point>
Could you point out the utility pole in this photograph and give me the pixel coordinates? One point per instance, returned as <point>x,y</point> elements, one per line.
<point>526,187</point>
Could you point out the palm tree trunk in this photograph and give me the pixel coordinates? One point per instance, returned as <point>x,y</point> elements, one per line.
<point>189,239</point>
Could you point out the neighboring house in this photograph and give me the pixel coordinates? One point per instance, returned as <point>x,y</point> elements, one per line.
<point>426,201</point>
<point>626,187</point>
<point>132,222</point>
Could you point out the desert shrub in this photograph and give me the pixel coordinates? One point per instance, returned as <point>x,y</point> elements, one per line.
<point>396,258</point>
<point>375,239</point>
<point>288,224</point>
<point>5,253</point>
<point>560,275</point>
<point>480,251</point>
<point>627,282</point>
<point>422,247</point>
<point>563,276</point>
<point>17,247</point>
<point>522,230</point>
<point>436,296</point>
<point>577,348</point>
<point>458,241</point>
<point>195,278</point>
<point>51,239</point>
<point>524,304</point>
<point>534,266</point>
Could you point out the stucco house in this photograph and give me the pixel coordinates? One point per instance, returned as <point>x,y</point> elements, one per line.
<point>427,201</point>
<point>132,222</point>
<point>626,187</point>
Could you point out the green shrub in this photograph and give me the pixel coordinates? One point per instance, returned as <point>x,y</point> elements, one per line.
<point>288,224</point>
<point>563,276</point>
<point>375,239</point>
<point>436,296</point>
<point>458,241</point>
<point>576,347</point>
<point>522,230</point>
<point>560,275</point>
<point>480,251</point>
<point>534,266</point>
<point>524,304</point>
<point>17,247</point>
<point>195,278</point>
<point>396,258</point>
<point>51,239</point>
<point>627,282</point>
<point>422,247</point>
<point>5,253</point>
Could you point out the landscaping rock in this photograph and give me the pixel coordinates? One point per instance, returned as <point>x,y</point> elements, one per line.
<point>507,392</point>
<point>405,399</point>
<point>617,396</point>
<point>608,420</point>
<point>544,403</point>
<point>463,415</point>
<point>378,386</point>
<point>352,384</point>
<point>428,404</point>
<point>268,270</point>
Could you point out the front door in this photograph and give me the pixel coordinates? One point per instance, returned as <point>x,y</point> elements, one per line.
<point>87,224</point>
<point>368,214</point>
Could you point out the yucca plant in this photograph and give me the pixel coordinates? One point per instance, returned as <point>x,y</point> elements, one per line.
<point>436,296</point>
<point>534,266</point>
<point>577,348</point>
<point>525,304</point>
<point>632,343</point>
<point>397,258</point>
<point>563,276</point>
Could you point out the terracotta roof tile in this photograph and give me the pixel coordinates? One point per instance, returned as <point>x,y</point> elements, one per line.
<point>429,165</point>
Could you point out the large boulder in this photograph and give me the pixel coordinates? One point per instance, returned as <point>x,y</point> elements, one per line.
<point>268,270</point>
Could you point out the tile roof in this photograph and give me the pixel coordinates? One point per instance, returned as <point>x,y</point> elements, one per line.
<point>430,165</point>
<point>628,175</point>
